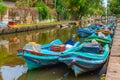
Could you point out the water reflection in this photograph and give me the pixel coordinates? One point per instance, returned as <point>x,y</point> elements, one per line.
<point>12,73</point>
<point>57,72</point>
<point>8,50</point>
<point>3,42</point>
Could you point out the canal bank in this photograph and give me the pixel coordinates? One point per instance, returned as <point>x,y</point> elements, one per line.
<point>36,27</point>
<point>113,69</point>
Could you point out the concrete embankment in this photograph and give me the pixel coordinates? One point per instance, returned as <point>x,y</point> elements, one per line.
<point>113,70</point>
<point>34,27</point>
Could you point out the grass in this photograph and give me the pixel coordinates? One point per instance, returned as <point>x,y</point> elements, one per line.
<point>102,77</point>
<point>11,61</point>
<point>45,23</point>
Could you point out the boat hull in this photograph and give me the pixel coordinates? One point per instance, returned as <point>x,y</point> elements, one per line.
<point>34,63</point>
<point>82,66</point>
<point>48,54</point>
<point>84,32</point>
<point>81,62</point>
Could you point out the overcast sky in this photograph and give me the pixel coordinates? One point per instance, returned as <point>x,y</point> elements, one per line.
<point>105,3</point>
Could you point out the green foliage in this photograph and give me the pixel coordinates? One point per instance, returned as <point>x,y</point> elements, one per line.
<point>21,3</point>
<point>24,3</point>
<point>3,9</point>
<point>31,3</point>
<point>79,8</point>
<point>43,10</point>
<point>61,10</point>
<point>1,0</point>
<point>114,7</point>
<point>11,0</point>
<point>102,77</point>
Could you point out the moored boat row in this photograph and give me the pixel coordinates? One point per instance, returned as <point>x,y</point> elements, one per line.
<point>87,56</point>
<point>37,55</point>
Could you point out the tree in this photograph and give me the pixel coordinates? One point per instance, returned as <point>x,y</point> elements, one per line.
<point>114,7</point>
<point>80,8</point>
<point>3,9</point>
<point>59,6</point>
<point>43,10</point>
<point>60,9</point>
<point>28,3</point>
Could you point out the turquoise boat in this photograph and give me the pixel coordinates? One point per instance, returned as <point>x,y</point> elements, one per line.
<point>100,39</point>
<point>85,58</point>
<point>94,27</point>
<point>85,32</point>
<point>37,55</point>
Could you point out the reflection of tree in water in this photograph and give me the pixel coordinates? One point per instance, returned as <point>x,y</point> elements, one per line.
<point>46,37</point>
<point>74,34</point>
<point>64,34</point>
<point>7,59</point>
<point>13,48</point>
<point>22,38</point>
<point>52,34</point>
<point>3,54</point>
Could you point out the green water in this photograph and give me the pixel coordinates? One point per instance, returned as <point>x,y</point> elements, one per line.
<point>13,68</point>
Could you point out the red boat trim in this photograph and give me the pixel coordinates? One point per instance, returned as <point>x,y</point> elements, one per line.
<point>84,57</point>
<point>81,66</point>
<point>37,62</point>
<point>78,57</point>
<point>36,53</point>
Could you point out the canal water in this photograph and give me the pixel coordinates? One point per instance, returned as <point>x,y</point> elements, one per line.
<point>13,67</point>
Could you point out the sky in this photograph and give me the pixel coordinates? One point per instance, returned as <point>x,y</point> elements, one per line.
<point>105,3</point>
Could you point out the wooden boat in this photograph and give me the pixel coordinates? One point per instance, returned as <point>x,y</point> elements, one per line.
<point>85,58</point>
<point>85,32</point>
<point>104,40</point>
<point>12,24</point>
<point>37,55</point>
<point>105,30</point>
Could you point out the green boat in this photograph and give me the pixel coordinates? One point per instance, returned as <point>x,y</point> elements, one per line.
<point>100,39</point>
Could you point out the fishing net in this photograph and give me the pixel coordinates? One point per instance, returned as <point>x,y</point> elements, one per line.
<point>92,48</point>
<point>33,47</point>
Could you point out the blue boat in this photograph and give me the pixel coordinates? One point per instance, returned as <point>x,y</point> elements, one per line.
<point>84,32</point>
<point>37,55</point>
<point>85,58</point>
<point>94,27</point>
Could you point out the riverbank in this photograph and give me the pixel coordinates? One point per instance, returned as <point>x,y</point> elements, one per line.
<point>113,69</point>
<point>43,25</point>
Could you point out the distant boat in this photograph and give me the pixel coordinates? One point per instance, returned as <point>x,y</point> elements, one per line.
<point>85,32</point>
<point>3,25</point>
<point>101,39</point>
<point>37,55</point>
<point>12,24</point>
<point>105,31</point>
<point>94,27</point>
<point>86,57</point>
